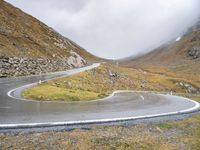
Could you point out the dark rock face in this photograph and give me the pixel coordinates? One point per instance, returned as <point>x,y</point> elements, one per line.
<point>194,52</point>
<point>189,87</point>
<point>113,74</point>
<point>15,66</point>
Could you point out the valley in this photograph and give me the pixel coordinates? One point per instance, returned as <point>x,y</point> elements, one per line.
<point>54,94</point>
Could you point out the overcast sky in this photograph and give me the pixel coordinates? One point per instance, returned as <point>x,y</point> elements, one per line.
<point>115,28</point>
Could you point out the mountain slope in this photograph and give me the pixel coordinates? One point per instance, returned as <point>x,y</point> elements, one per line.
<point>23,36</point>
<point>181,56</point>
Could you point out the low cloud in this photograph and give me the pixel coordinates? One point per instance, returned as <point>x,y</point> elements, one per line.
<point>116,28</point>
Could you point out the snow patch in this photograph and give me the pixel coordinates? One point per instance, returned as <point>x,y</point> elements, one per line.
<point>178,38</point>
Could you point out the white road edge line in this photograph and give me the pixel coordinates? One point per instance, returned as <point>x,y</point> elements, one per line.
<point>9,94</point>
<point>192,109</point>
<point>5,107</point>
<point>196,107</point>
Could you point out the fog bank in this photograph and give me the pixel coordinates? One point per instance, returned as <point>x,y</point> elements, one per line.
<point>115,28</point>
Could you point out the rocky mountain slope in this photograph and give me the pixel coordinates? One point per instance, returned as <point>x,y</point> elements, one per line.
<point>28,46</point>
<point>180,56</point>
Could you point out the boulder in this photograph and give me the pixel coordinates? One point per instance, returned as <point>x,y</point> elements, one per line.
<point>188,87</point>
<point>113,74</point>
<point>15,66</point>
<point>75,60</point>
<point>194,52</point>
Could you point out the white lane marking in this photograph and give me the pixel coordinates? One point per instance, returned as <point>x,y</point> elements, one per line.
<point>52,73</point>
<point>192,109</point>
<point>11,91</point>
<point>9,94</point>
<point>196,107</point>
<point>5,107</point>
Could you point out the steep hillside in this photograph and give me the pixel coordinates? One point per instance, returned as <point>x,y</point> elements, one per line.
<point>24,37</point>
<point>182,56</point>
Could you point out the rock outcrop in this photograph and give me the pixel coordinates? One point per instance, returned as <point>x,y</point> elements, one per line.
<point>28,46</point>
<point>113,74</point>
<point>16,66</point>
<point>75,60</point>
<point>188,87</point>
<point>194,52</point>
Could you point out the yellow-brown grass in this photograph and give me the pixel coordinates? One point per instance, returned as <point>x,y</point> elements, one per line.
<point>97,83</point>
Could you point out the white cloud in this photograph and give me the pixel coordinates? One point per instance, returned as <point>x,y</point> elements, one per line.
<point>116,28</point>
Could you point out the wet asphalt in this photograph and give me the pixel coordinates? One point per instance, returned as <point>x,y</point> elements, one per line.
<point>121,105</point>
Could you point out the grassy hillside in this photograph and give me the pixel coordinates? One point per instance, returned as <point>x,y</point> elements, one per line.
<point>22,35</point>
<point>172,67</point>
<point>181,56</point>
<point>102,81</point>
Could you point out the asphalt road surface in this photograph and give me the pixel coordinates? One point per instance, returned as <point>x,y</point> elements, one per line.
<point>15,112</point>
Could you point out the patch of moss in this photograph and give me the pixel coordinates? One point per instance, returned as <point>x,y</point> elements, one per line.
<point>165,126</point>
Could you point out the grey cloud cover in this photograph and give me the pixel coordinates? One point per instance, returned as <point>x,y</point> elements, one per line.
<point>115,28</point>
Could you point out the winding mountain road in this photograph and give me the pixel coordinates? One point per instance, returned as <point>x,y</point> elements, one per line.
<point>16,112</point>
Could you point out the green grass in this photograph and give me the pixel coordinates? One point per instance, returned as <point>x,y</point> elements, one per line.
<point>166,126</point>
<point>48,92</point>
<point>97,83</point>
<point>196,99</point>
